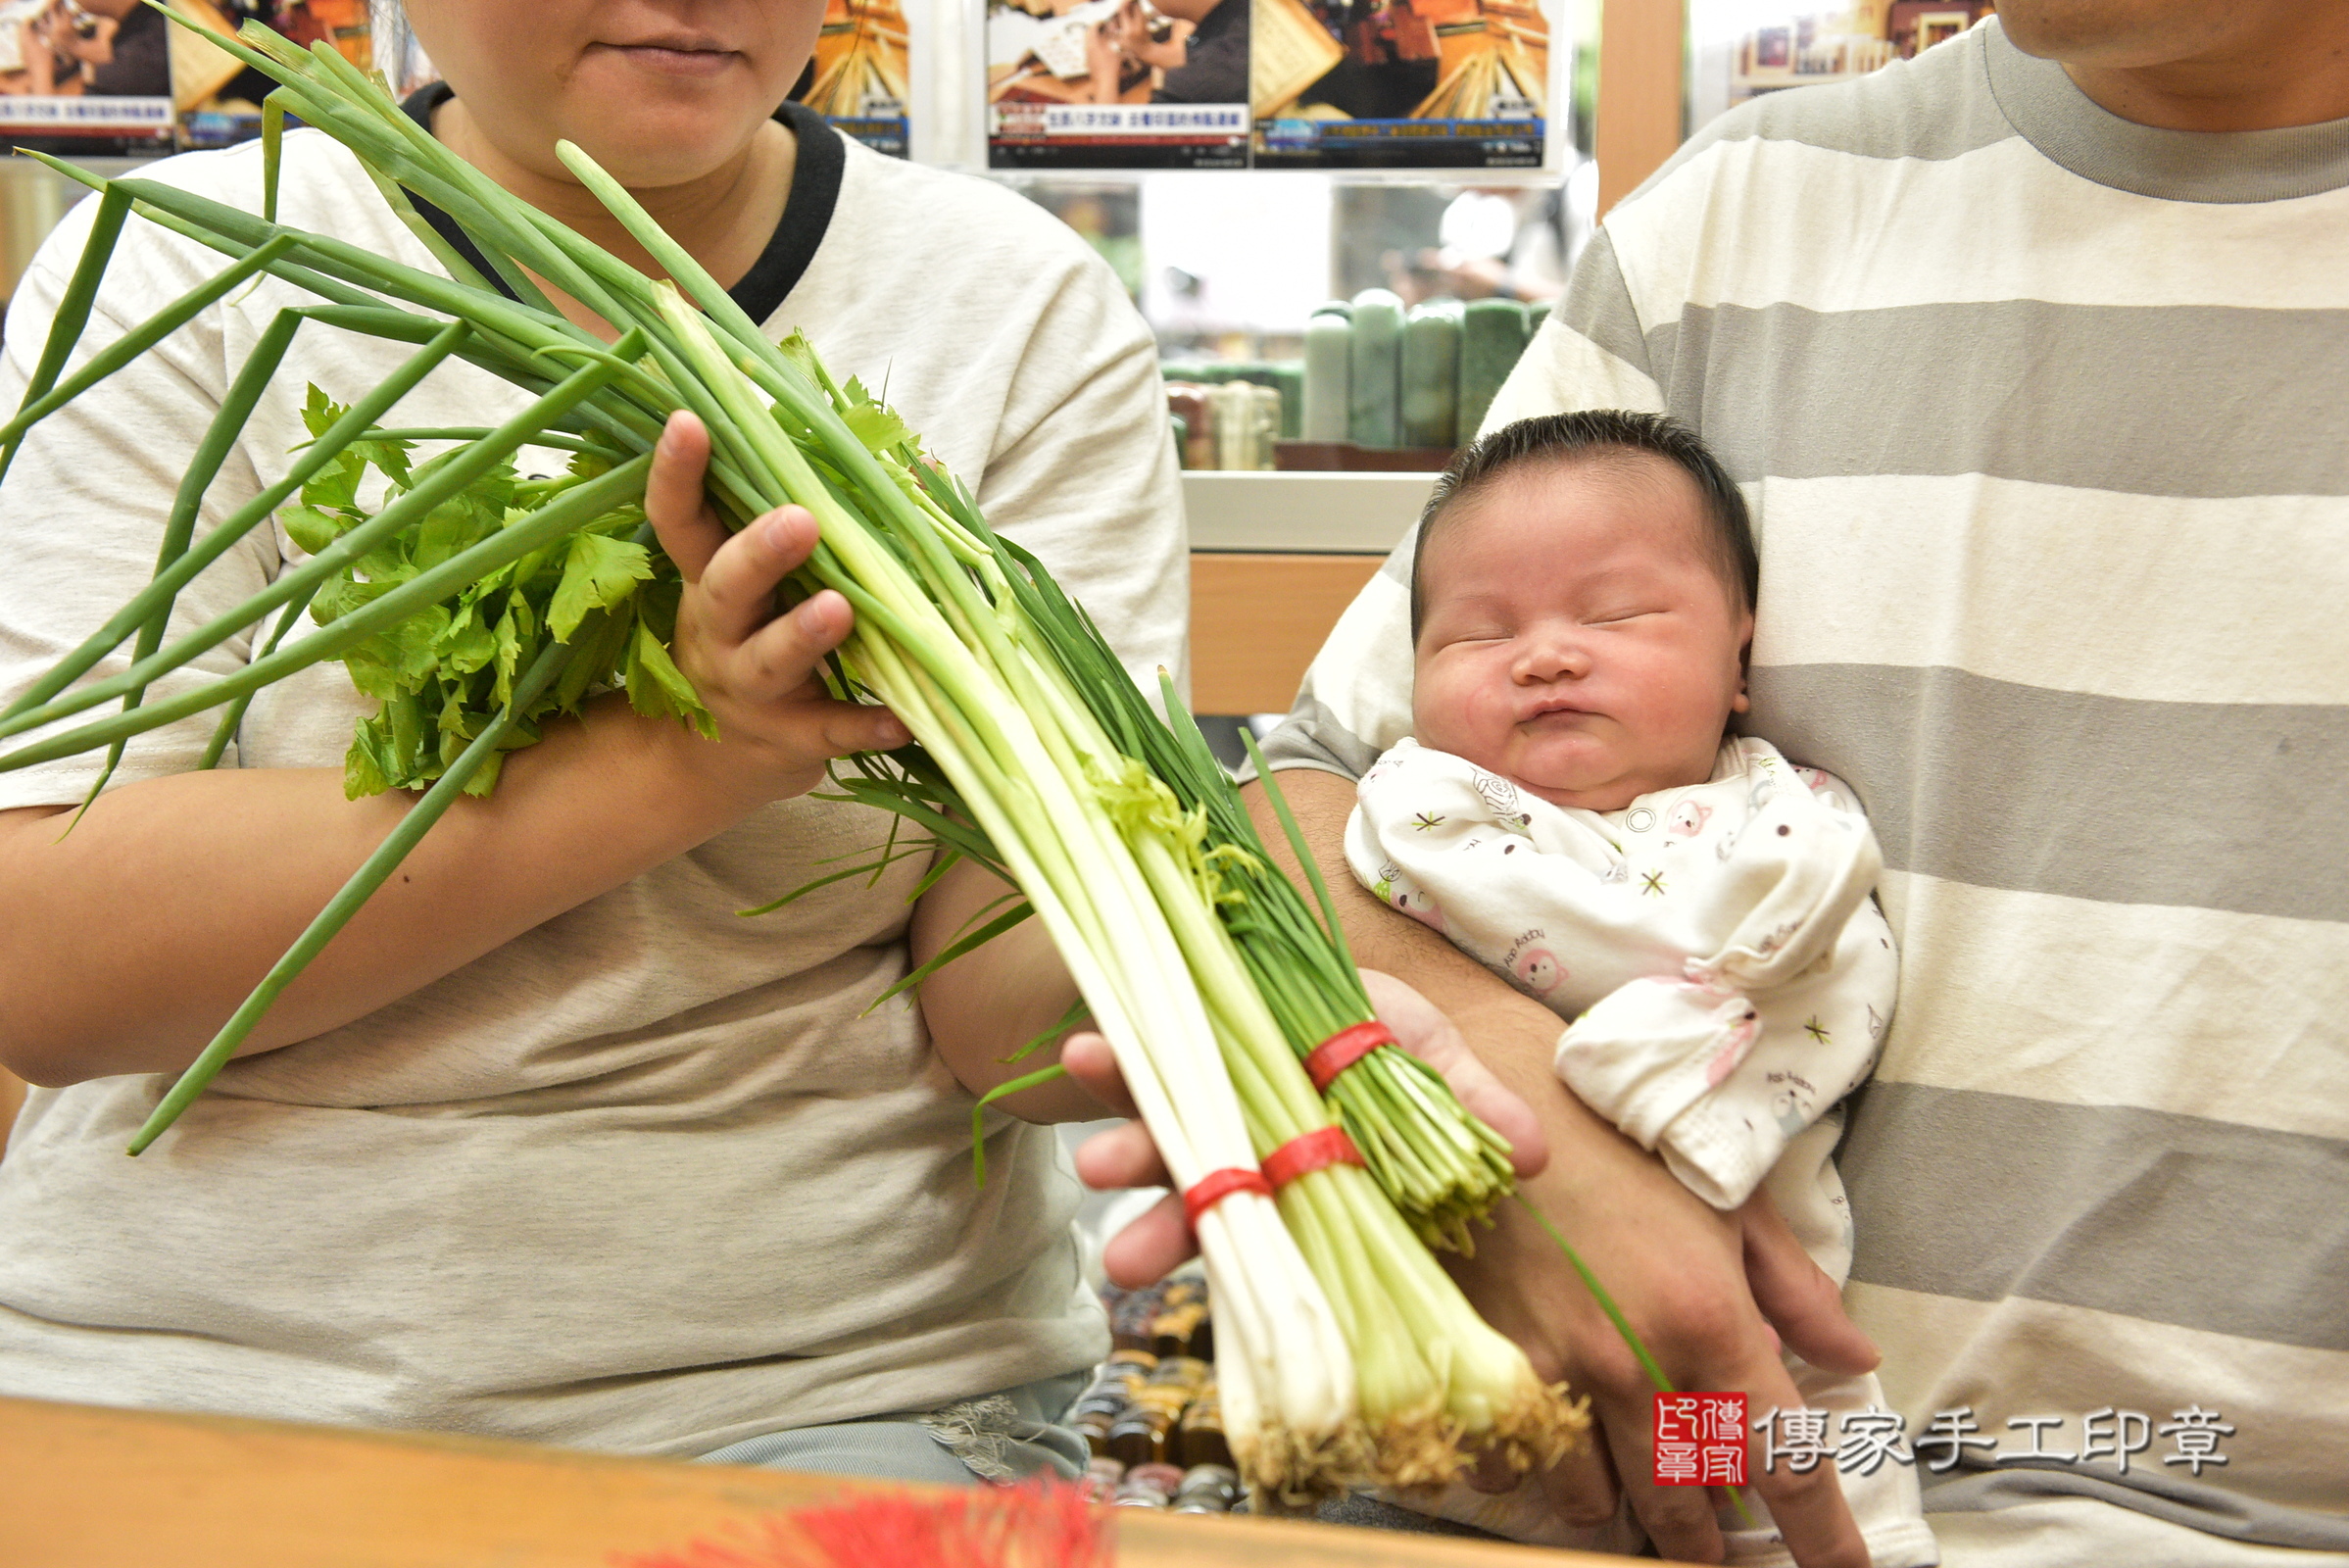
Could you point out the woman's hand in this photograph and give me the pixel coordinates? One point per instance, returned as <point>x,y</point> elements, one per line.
<point>1125,1157</point>
<point>174,896</point>
<point>755,668</point>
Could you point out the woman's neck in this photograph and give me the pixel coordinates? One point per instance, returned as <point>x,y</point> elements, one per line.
<point>725,220</point>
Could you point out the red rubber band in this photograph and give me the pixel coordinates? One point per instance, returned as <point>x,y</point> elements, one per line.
<point>1218,1185</point>
<point>1313,1151</point>
<point>1342,1050</point>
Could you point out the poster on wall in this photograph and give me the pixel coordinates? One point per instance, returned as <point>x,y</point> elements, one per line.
<point>216,96</point>
<point>862,74</point>
<point>1400,83</point>
<point>1118,83</point>
<point>1739,50</point>
<point>84,77</point>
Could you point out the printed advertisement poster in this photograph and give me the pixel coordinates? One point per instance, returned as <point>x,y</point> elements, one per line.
<point>215,95</point>
<point>1400,83</point>
<point>861,77</point>
<point>1118,83</point>
<point>84,77</point>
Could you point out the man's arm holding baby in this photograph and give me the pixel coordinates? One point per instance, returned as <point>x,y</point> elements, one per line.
<point>1710,1294</point>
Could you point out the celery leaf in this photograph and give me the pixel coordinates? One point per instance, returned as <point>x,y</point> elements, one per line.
<point>597,574</point>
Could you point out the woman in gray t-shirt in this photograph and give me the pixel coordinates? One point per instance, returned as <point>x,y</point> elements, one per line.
<point>550,1143</point>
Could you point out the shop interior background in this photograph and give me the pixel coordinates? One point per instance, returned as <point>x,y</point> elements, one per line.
<point>1223,263</point>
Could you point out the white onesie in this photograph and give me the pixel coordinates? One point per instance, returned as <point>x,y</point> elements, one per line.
<point>1727,977</point>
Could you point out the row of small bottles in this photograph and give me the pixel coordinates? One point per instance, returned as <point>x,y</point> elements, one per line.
<point>1381,374</point>
<point>1152,1416</point>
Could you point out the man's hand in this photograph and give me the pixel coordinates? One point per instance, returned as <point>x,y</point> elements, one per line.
<point>1124,1156</point>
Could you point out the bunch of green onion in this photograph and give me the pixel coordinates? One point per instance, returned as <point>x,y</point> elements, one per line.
<point>474,606</point>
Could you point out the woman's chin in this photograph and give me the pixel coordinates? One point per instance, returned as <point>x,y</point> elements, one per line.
<point>649,130</point>
<point>654,158</point>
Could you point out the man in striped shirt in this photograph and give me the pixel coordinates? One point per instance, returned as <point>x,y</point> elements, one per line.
<point>2030,358</point>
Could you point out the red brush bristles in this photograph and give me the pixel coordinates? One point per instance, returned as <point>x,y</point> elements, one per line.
<point>1037,1523</point>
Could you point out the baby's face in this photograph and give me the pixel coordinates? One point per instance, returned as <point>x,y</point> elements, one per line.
<point>1575,636</point>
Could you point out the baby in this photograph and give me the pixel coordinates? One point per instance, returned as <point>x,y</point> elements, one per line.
<point>1571,813</point>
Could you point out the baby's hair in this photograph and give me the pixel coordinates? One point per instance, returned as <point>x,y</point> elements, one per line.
<point>1598,434</point>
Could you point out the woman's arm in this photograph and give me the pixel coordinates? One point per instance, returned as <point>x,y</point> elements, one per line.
<point>154,918</point>
<point>988,1004</point>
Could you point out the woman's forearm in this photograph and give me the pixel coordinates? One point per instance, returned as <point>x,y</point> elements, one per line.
<point>133,936</point>
<point>988,1003</point>
<point>131,940</point>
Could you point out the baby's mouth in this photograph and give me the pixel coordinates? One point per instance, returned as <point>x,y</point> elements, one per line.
<point>1555,716</point>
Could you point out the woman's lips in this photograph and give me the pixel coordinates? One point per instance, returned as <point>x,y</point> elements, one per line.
<point>675,59</point>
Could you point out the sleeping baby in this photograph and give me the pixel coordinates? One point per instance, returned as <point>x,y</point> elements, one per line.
<point>1571,812</point>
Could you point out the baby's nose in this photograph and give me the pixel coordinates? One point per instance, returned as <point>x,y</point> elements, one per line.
<point>1554,658</point>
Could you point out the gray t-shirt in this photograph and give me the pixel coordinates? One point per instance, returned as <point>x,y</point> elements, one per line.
<point>2039,414</point>
<point>646,1178</point>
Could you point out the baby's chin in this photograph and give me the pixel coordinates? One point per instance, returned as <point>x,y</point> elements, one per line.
<point>1585,779</point>
<point>1612,796</point>
<point>1588,784</point>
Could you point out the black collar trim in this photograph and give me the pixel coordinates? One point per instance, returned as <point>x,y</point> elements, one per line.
<point>807,214</point>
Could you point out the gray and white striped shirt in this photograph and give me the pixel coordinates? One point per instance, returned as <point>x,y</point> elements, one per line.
<point>2041,417</point>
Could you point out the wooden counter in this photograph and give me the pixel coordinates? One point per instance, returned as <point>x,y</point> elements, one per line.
<point>83,1488</point>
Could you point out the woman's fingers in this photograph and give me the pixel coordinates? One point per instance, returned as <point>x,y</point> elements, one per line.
<point>861,727</point>
<point>1721,1347</point>
<point>1125,1155</point>
<point>778,657</point>
<point>1424,1031</point>
<point>738,583</point>
<point>1121,1157</point>
<point>1154,1245</point>
<point>1492,1105</point>
<point>1090,1062</point>
<point>1152,1248</point>
<point>690,531</point>
<point>1581,1489</point>
<point>755,668</point>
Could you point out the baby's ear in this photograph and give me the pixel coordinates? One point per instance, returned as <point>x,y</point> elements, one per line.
<point>1741,702</point>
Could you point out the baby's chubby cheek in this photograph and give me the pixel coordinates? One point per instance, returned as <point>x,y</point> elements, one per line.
<point>1458,716</point>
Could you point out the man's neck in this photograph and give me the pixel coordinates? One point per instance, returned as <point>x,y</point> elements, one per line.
<point>2294,71</point>
<point>723,220</point>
